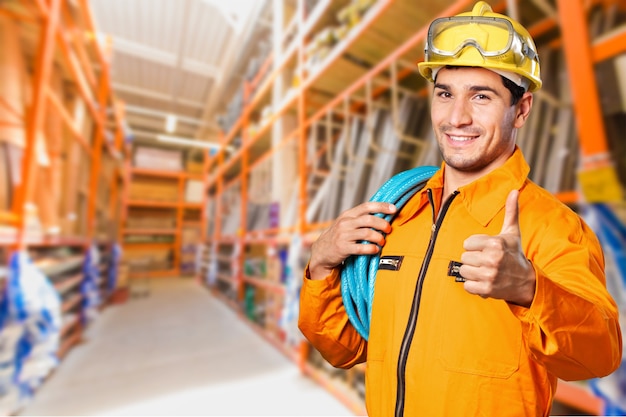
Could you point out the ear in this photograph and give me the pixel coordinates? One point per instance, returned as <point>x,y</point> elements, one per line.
<point>523,109</point>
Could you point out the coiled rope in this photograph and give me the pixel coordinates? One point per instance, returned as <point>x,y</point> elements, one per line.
<point>358,275</point>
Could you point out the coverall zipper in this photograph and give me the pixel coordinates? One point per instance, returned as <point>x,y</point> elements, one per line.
<point>412,323</point>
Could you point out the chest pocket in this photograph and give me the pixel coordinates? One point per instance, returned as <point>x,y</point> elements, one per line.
<point>477,336</point>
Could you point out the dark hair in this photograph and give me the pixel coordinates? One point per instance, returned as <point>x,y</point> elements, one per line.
<point>516,91</point>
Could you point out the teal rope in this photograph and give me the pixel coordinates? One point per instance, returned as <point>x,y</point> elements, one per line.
<point>358,275</point>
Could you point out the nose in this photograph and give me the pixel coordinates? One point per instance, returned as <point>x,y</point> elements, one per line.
<point>460,114</point>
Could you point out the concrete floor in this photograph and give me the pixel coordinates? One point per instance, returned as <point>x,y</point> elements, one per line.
<point>178,351</point>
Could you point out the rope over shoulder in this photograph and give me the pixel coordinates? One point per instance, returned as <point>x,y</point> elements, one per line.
<point>358,275</point>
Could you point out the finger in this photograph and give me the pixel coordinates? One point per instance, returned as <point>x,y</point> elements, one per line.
<point>367,221</point>
<point>511,215</point>
<point>376,223</point>
<point>364,249</point>
<point>368,235</point>
<point>473,287</point>
<point>372,207</point>
<point>473,258</point>
<point>476,242</point>
<point>471,272</point>
<point>477,287</point>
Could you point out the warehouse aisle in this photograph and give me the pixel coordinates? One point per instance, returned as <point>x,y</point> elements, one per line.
<point>177,351</point>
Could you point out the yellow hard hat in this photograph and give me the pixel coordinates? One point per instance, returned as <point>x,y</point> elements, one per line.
<point>482,38</point>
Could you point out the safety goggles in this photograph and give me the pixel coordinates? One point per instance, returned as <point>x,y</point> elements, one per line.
<point>491,36</point>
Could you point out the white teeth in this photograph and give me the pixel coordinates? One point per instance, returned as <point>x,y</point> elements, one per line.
<point>461,138</point>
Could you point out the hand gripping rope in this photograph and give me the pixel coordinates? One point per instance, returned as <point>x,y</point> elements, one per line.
<point>359,271</point>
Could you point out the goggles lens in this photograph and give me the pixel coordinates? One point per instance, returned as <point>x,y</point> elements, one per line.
<point>492,36</point>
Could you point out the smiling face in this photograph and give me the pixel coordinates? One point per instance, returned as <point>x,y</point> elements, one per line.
<point>474,121</point>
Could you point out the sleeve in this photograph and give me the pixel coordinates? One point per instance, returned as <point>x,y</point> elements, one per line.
<point>324,322</point>
<point>572,326</point>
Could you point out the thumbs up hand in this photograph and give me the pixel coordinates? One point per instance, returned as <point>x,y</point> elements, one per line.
<point>495,266</point>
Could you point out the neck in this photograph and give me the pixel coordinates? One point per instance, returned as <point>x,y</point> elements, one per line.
<point>453,180</point>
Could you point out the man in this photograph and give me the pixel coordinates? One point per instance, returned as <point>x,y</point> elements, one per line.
<point>528,304</point>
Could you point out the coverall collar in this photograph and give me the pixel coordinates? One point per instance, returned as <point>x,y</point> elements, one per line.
<point>483,198</point>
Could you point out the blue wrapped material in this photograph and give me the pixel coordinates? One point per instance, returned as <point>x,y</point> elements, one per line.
<point>30,332</point>
<point>612,235</point>
<point>114,266</point>
<point>612,390</point>
<point>294,270</point>
<point>89,286</point>
<point>33,300</point>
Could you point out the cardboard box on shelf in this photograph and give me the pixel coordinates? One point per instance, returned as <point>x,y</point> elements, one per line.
<point>164,159</point>
<point>153,189</point>
<point>194,161</point>
<point>274,269</point>
<point>140,218</point>
<point>190,235</point>
<point>194,167</point>
<point>194,191</point>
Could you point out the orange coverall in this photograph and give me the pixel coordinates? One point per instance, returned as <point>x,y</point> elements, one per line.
<point>434,349</point>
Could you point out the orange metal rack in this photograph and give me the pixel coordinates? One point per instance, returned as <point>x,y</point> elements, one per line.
<point>180,206</point>
<point>71,39</point>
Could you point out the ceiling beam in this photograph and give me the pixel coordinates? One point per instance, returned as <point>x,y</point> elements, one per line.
<point>156,138</point>
<point>139,121</point>
<point>159,113</point>
<point>144,92</point>
<point>148,53</point>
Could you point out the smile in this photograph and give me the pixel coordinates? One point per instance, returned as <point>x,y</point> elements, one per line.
<point>462,138</point>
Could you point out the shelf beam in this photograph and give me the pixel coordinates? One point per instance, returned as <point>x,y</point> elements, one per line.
<point>609,45</point>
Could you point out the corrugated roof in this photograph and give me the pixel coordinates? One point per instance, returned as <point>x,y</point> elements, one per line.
<point>171,56</point>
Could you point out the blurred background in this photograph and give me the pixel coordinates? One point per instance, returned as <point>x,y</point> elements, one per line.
<point>165,166</point>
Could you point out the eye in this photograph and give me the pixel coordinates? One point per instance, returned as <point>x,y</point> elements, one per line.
<point>482,97</point>
<point>443,94</point>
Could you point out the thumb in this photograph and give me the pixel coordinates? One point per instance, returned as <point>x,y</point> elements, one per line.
<point>511,215</point>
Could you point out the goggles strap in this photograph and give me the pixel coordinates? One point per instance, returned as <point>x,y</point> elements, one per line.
<point>515,78</point>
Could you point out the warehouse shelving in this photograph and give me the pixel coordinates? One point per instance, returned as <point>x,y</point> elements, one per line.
<point>339,88</point>
<point>178,212</point>
<point>80,187</point>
